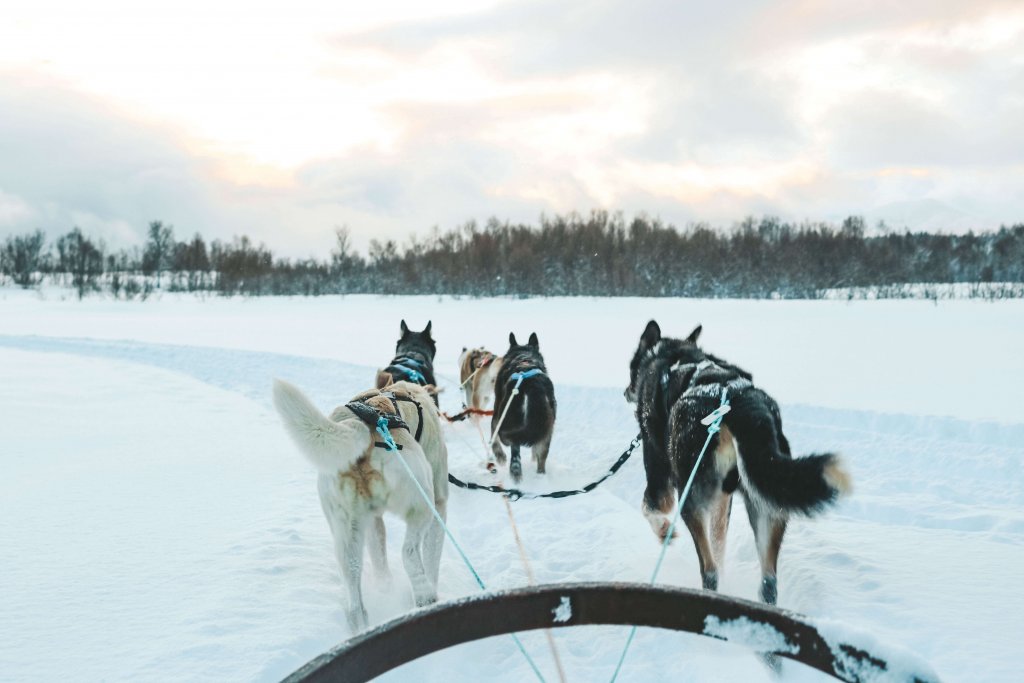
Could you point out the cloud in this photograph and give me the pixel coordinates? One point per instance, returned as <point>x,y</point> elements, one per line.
<point>13,210</point>
<point>70,160</point>
<point>692,112</point>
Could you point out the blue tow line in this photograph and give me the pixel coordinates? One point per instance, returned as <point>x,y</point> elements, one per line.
<point>385,434</point>
<point>714,423</point>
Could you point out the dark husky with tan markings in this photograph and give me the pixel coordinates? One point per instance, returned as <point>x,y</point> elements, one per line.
<point>675,384</point>
<point>413,361</point>
<point>530,418</point>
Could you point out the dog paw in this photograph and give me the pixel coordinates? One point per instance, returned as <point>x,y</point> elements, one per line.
<point>492,467</point>
<point>773,662</point>
<point>358,620</point>
<point>426,599</point>
<point>662,531</point>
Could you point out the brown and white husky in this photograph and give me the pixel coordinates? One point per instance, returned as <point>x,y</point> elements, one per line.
<point>478,369</point>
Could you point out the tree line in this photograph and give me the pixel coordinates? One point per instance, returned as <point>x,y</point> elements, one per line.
<point>600,254</point>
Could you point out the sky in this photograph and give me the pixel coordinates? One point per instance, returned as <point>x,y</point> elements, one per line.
<point>284,121</point>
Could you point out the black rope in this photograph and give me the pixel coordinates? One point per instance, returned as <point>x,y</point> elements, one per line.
<point>516,494</point>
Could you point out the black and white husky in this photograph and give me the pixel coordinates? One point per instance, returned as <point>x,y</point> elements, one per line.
<point>529,416</point>
<point>413,361</point>
<point>675,384</point>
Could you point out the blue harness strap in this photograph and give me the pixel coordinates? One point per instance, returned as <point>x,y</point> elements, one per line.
<point>520,376</point>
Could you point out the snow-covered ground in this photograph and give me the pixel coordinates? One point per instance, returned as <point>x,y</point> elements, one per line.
<point>156,524</point>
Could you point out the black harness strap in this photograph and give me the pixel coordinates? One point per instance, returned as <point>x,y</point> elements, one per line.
<point>419,410</point>
<point>370,415</point>
<point>516,494</point>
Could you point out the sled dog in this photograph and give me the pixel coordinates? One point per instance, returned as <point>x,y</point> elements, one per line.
<point>413,361</point>
<point>530,418</point>
<point>359,479</point>
<point>478,370</point>
<point>675,384</point>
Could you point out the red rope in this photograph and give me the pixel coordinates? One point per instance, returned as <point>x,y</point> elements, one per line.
<point>458,417</point>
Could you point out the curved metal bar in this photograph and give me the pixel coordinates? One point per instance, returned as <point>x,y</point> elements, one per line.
<point>444,625</point>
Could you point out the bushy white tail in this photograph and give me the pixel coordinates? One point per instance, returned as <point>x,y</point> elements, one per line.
<point>330,446</point>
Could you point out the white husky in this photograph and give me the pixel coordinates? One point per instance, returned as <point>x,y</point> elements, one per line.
<point>359,481</point>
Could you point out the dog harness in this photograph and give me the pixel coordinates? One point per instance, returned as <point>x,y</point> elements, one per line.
<point>409,366</point>
<point>419,410</point>
<point>527,374</point>
<point>699,380</point>
<point>410,374</point>
<point>372,417</point>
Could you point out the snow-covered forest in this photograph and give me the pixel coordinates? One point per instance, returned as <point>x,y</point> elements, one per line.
<point>600,254</point>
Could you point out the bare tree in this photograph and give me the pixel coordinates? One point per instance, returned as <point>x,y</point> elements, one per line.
<point>22,256</point>
<point>82,259</point>
<point>159,250</point>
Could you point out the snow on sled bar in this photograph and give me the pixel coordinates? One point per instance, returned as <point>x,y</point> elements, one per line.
<point>750,624</point>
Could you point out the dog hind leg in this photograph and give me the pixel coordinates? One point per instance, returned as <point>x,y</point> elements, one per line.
<point>417,524</point>
<point>540,454</point>
<point>348,547</point>
<point>499,407</point>
<point>378,550</point>
<point>720,515</point>
<point>769,529</point>
<point>433,544</point>
<point>499,452</point>
<point>696,522</point>
<point>515,465</point>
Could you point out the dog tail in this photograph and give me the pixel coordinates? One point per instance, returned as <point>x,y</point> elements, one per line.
<point>330,446</point>
<point>804,485</point>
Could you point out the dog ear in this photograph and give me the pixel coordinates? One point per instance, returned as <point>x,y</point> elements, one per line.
<point>512,339</point>
<point>651,335</point>
<point>695,334</point>
<point>426,330</point>
<point>405,328</point>
<point>534,342</point>
<point>384,379</point>
<point>432,389</point>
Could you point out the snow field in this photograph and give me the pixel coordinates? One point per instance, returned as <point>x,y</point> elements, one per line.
<point>160,525</point>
